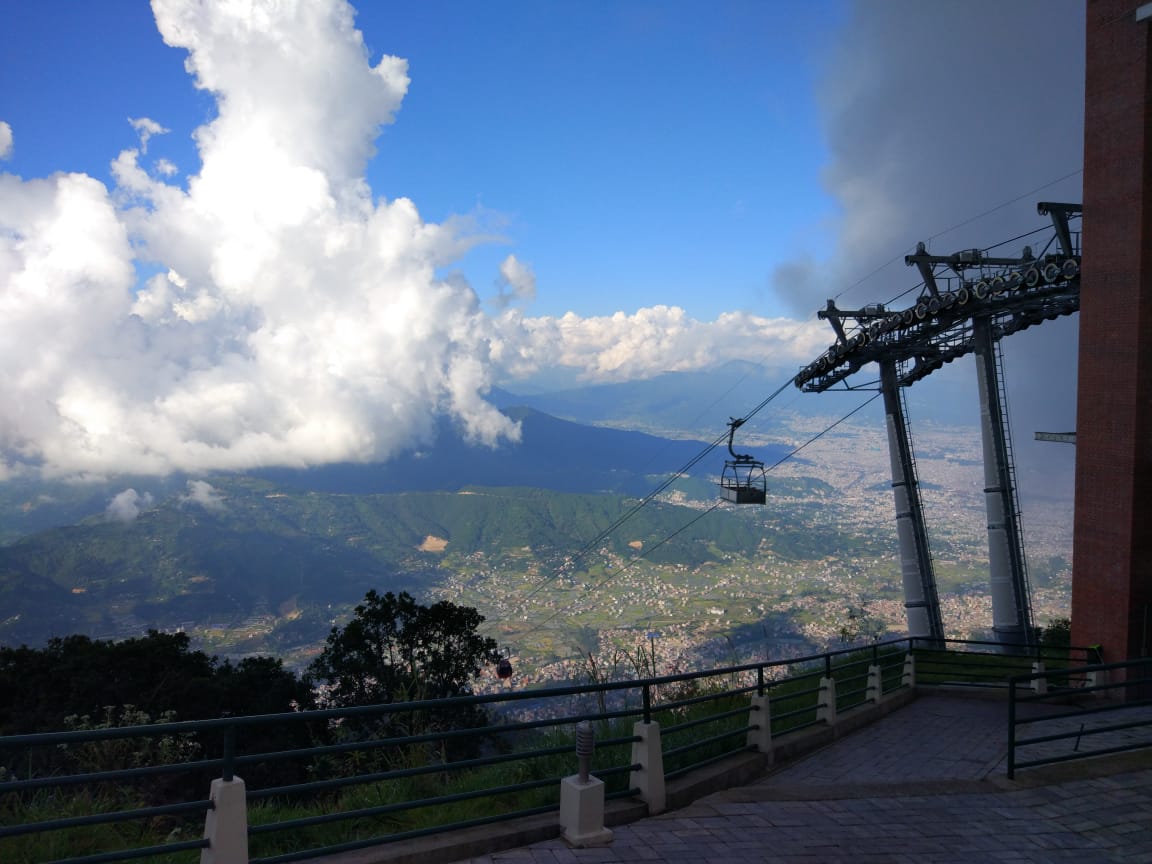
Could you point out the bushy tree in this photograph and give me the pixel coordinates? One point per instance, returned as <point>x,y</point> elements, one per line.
<point>157,673</point>
<point>396,650</point>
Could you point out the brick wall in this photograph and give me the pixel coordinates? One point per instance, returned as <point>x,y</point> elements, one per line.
<point>1112,559</point>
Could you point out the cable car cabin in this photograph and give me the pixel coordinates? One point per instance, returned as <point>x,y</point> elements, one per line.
<point>504,669</point>
<point>743,480</point>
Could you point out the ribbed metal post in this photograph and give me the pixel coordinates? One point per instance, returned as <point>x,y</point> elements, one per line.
<point>585,746</point>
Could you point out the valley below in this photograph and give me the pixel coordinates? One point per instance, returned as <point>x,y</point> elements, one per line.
<point>265,565</point>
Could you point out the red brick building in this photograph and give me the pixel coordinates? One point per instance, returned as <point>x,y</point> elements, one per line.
<point>1112,559</point>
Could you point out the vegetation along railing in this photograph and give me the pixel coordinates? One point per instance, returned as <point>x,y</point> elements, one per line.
<point>326,781</point>
<point>979,663</point>
<point>1111,713</point>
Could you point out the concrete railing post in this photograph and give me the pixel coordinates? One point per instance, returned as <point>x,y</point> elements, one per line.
<point>826,704</point>
<point>760,726</point>
<point>1039,685</point>
<point>582,797</point>
<point>226,825</point>
<point>875,685</point>
<point>649,777</point>
<point>908,677</point>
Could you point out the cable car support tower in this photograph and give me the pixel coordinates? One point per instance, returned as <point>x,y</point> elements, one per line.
<point>968,303</point>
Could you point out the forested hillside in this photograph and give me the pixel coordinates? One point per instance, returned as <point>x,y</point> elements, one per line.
<point>263,549</point>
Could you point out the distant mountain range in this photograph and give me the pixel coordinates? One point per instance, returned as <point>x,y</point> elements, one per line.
<point>552,454</point>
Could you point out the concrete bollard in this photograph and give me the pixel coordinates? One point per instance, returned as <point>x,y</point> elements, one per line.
<point>226,825</point>
<point>649,778</point>
<point>1039,685</point>
<point>908,677</point>
<point>826,708</point>
<point>875,691</point>
<point>582,798</point>
<point>760,738</point>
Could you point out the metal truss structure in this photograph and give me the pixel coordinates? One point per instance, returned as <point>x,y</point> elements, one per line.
<point>968,302</point>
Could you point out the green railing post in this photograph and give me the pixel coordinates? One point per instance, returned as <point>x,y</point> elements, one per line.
<point>647,703</point>
<point>229,769</point>
<point>759,680</point>
<point>827,665</point>
<point>1011,728</point>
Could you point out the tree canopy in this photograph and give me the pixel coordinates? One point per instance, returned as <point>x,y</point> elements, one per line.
<point>156,674</point>
<point>395,649</point>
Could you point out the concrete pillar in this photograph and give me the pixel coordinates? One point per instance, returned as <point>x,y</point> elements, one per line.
<point>582,812</point>
<point>1039,685</point>
<point>875,685</point>
<point>226,825</point>
<point>908,677</point>
<point>826,710</point>
<point>649,778</point>
<point>760,739</point>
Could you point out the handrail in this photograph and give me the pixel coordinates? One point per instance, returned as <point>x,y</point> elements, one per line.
<point>1037,693</point>
<point>724,708</point>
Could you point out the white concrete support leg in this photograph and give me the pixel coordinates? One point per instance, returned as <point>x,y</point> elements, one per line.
<point>908,678</point>
<point>760,738</point>
<point>226,825</point>
<point>582,812</point>
<point>1039,685</point>
<point>875,685</point>
<point>649,779</point>
<point>826,710</point>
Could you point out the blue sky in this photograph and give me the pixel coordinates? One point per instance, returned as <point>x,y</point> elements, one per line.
<point>634,153</point>
<point>598,192</point>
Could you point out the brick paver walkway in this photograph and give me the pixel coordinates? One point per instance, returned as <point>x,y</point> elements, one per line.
<point>924,785</point>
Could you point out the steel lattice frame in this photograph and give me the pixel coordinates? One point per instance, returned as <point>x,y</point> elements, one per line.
<point>1013,293</point>
<point>966,308</point>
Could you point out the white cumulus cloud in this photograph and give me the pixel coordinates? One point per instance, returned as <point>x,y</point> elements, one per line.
<point>660,339</point>
<point>126,506</point>
<point>295,320</point>
<point>516,282</point>
<point>287,315</point>
<point>203,494</point>
<point>5,140</point>
<point>146,127</point>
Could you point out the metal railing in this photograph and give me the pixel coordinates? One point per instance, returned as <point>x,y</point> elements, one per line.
<point>1112,716</point>
<point>983,663</point>
<point>370,775</point>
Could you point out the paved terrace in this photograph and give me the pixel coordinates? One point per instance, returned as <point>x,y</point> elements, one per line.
<point>926,784</point>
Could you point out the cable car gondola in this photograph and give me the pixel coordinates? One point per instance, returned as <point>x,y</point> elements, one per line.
<point>743,480</point>
<point>504,667</point>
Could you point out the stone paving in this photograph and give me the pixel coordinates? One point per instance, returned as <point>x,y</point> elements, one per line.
<point>924,785</point>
